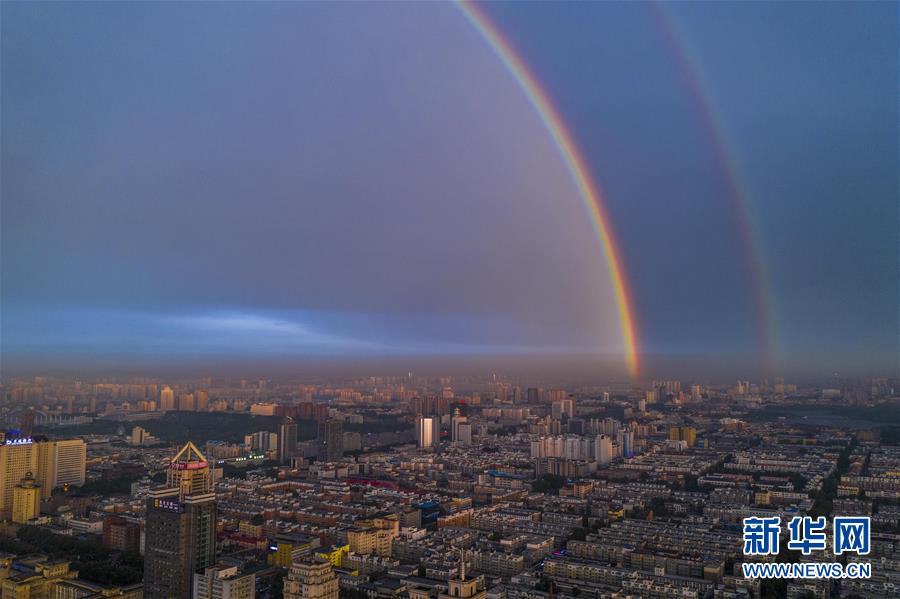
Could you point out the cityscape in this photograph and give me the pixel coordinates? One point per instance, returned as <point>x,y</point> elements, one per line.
<point>449,300</point>
<point>430,487</point>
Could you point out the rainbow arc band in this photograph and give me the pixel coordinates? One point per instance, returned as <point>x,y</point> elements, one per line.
<point>588,189</point>
<point>690,67</point>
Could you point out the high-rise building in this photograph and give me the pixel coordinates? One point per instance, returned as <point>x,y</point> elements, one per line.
<point>428,431</point>
<point>166,399</point>
<point>121,534</point>
<point>202,400</point>
<point>141,436</point>
<point>464,434</point>
<point>189,473</point>
<point>311,578</point>
<point>26,502</point>
<point>330,440</point>
<point>287,440</point>
<point>575,426</point>
<point>53,464</point>
<point>262,440</point>
<point>603,451</point>
<point>61,463</point>
<point>563,407</point>
<point>187,403</point>
<point>180,527</point>
<point>460,429</point>
<point>626,442</point>
<point>687,434</point>
<point>224,582</point>
<point>18,459</point>
<point>556,395</point>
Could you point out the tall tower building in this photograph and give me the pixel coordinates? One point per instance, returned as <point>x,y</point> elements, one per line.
<point>562,407</point>
<point>626,442</point>
<point>180,527</point>
<point>187,403</point>
<point>26,502</point>
<point>61,463</point>
<point>287,440</point>
<point>603,450</point>
<point>189,472</point>
<point>460,429</point>
<point>428,431</point>
<point>311,578</point>
<point>52,464</point>
<point>202,400</point>
<point>166,399</point>
<point>330,440</point>
<point>18,459</point>
<point>696,392</point>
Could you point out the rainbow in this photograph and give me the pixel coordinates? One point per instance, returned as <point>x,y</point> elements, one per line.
<point>692,74</point>
<point>588,189</point>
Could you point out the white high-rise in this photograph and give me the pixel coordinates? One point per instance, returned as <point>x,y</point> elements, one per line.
<point>461,430</point>
<point>428,431</point>
<point>603,450</point>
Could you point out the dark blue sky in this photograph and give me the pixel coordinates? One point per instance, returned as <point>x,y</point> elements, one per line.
<point>366,179</point>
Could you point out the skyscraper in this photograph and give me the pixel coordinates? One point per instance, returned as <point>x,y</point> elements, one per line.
<point>166,399</point>
<point>18,459</point>
<point>625,440</point>
<point>562,407</point>
<point>428,431</point>
<point>287,440</point>
<point>180,527</point>
<point>603,450</point>
<point>60,463</point>
<point>460,429</point>
<point>202,400</point>
<point>187,402</point>
<point>53,464</point>
<point>330,440</point>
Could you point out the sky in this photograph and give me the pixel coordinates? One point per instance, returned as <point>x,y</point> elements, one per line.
<point>312,181</point>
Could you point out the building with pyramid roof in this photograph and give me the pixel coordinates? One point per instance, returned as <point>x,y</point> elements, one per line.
<point>180,527</point>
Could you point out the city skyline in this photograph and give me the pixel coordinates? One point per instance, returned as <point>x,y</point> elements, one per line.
<point>449,300</point>
<point>167,201</point>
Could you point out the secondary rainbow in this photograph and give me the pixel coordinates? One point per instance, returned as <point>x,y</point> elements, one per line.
<point>588,189</point>
<point>692,73</point>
